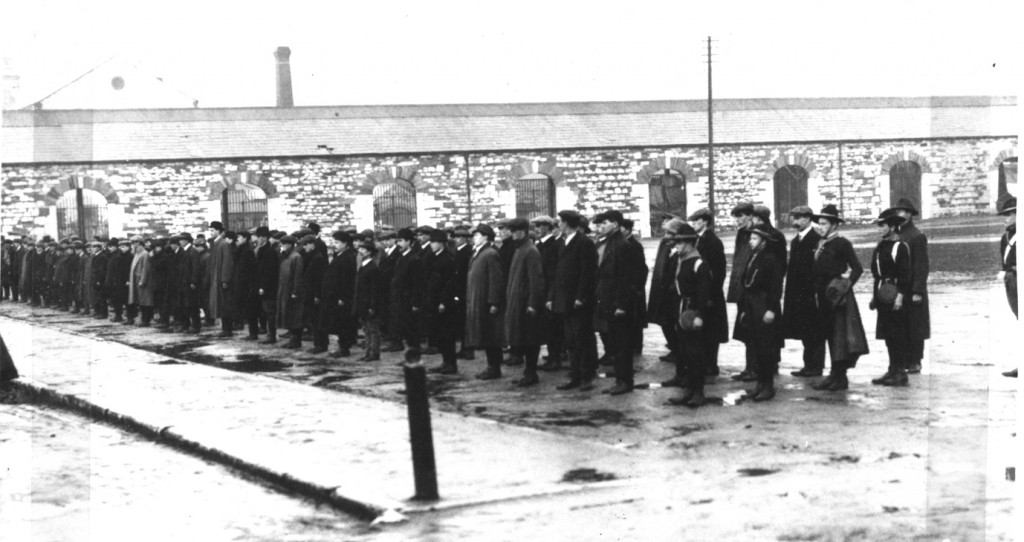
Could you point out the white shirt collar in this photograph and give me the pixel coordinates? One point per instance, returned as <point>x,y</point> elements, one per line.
<point>569,237</point>
<point>804,231</point>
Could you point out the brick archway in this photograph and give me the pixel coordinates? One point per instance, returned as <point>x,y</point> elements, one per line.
<point>88,183</point>
<point>790,159</point>
<point>549,167</point>
<point>658,165</point>
<point>386,176</point>
<point>906,155</point>
<point>1002,156</point>
<point>214,189</point>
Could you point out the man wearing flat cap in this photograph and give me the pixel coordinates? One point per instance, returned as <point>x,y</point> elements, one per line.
<point>221,267</point>
<point>1008,257</point>
<point>571,299</point>
<point>118,277</point>
<point>246,300</point>
<point>743,212</point>
<point>548,244</point>
<point>920,315</point>
<point>82,278</point>
<point>61,277</point>
<point>406,291</point>
<point>141,290</point>
<point>712,253</point>
<point>524,297</point>
<point>615,297</point>
<point>800,306</point>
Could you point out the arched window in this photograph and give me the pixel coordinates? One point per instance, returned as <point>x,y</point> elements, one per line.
<point>395,204</point>
<point>668,195</point>
<point>243,207</point>
<point>905,182</point>
<point>790,191</point>
<point>1007,176</point>
<point>535,196</point>
<point>82,212</point>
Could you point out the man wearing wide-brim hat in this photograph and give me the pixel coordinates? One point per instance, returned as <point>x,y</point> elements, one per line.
<point>837,307</point>
<point>1008,255</point>
<point>920,315</point>
<point>890,267</point>
<point>692,282</point>
<point>759,311</point>
<point>799,304</point>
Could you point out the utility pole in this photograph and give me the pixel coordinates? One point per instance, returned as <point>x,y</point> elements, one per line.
<point>711,142</point>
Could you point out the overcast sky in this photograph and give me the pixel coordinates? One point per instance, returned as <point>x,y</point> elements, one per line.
<point>525,51</point>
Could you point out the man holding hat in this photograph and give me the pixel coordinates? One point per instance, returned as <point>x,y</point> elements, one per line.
<point>547,245</point>
<point>712,253</point>
<point>890,267</point>
<point>485,301</point>
<point>759,311</point>
<point>440,303</point>
<point>743,212</point>
<point>920,315</point>
<point>524,297</point>
<point>337,300</point>
<point>692,284</point>
<point>571,299</point>
<point>406,290</point>
<point>800,305</point>
<point>289,303</point>
<point>1008,255</point>
<point>615,296</point>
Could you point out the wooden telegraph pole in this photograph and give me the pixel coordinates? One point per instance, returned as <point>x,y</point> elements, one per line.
<point>711,142</point>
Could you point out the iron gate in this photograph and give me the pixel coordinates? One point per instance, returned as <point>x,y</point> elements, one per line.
<point>395,204</point>
<point>905,182</point>
<point>535,196</point>
<point>82,213</point>
<point>668,195</point>
<point>790,191</point>
<point>243,207</point>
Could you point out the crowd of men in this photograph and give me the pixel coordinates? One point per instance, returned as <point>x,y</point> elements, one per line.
<point>519,285</point>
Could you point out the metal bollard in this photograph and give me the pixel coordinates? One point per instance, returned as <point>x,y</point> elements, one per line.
<point>420,434</point>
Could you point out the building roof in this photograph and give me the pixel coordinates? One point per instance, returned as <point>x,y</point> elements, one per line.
<point>170,134</point>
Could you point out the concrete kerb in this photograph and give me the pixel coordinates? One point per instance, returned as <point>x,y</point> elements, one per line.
<point>362,506</point>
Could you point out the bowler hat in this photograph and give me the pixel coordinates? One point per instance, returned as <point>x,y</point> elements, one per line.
<point>313,227</point>
<point>424,230</point>
<point>518,223</point>
<point>288,239</point>
<point>830,212</point>
<point>801,210</point>
<point>627,223</point>
<point>262,231</point>
<point>570,217</point>
<point>702,213</point>
<point>543,221</point>
<point>368,234</point>
<point>906,205</point>
<point>1007,206</point>
<point>438,236</point>
<point>113,242</point>
<point>407,234</point>
<point>685,232</point>
<point>216,225</point>
<point>743,208</point>
<point>343,236</point>
<point>484,229</point>
<point>890,217</point>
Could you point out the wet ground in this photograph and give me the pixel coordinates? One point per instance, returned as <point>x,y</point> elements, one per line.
<point>926,462</point>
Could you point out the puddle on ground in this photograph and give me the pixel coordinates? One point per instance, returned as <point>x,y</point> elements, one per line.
<point>586,475</point>
<point>328,380</point>
<point>170,362</point>
<point>757,471</point>
<point>590,418</point>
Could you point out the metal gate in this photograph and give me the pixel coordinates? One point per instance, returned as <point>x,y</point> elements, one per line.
<point>394,204</point>
<point>790,191</point>
<point>535,196</point>
<point>83,213</point>
<point>905,182</point>
<point>668,195</point>
<point>243,207</point>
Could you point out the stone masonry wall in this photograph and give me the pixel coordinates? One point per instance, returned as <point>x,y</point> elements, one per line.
<point>161,197</point>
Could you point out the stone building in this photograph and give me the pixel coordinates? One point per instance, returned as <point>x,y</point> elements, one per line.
<point>135,171</point>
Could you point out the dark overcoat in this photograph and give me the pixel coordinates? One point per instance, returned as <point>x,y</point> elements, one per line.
<point>762,292</point>
<point>884,267</point>
<point>98,276</point>
<point>243,285</point>
<point>660,286</point>
<point>314,267</point>
<point>462,257</point>
<point>387,271</point>
<point>638,261</point>
<point>112,283</point>
<point>441,288</point>
<point>920,315</point>
<point>339,283</point>
<point>799,306</point>
<point>221,267</point>
<point>268,266</point>
<point>485,287</point>
<point>712,253</point>
<point>842,323</point>
<point>406,290</point>
<point>368,294</point>
<point>142,287</point>
<point>525,289</point>
<point>740,256</point>
<point>289,291</point>
<point>614,284</point>
<point>84,274</point>
<point>190,277</point>
<point>1008,256</point>
<point>574,275</point>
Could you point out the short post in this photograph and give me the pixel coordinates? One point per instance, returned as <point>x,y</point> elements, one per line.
<point>420,435</point>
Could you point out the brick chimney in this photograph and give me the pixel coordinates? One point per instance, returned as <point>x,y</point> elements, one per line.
<point>284,77</point>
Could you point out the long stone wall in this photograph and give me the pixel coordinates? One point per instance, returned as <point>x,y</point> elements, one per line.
<point>161,197</point>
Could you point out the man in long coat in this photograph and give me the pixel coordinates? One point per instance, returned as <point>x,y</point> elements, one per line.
<point>97,277</point>
<point>440,295</point>
<point>743,212</point>
<point>920,315</point>
<point>547,244</point>
<point>289,292</point>
<point>406,290</point>
<point>141,289</point>
<point>524,299</point>
<point>692,282</point>
<point>368,300</point>
<point>571,298</point>
<point>800,307</point>
<point>712,253</point>
<point>112,281</point>
<point>462,253</point>
<point>388,258</point>
<point>60,276</point>
<point>247,301</point>
<point>337,301</point>
<point>83,301</point>
<point>314,266</point>
<point>26,264</point>
<point>1008,257</point>
<point>221,267</point>
<point>268,266</point>
<point>759,316</point>
<point>485,300</point>
<point>422,250</point>
<point>638,261</point>
<point>615,295</point>
<point>190,282</point>
<point>659,309</point>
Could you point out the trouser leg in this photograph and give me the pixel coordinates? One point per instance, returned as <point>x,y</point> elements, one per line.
<point>814,354</point>
<point>621,348</point>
